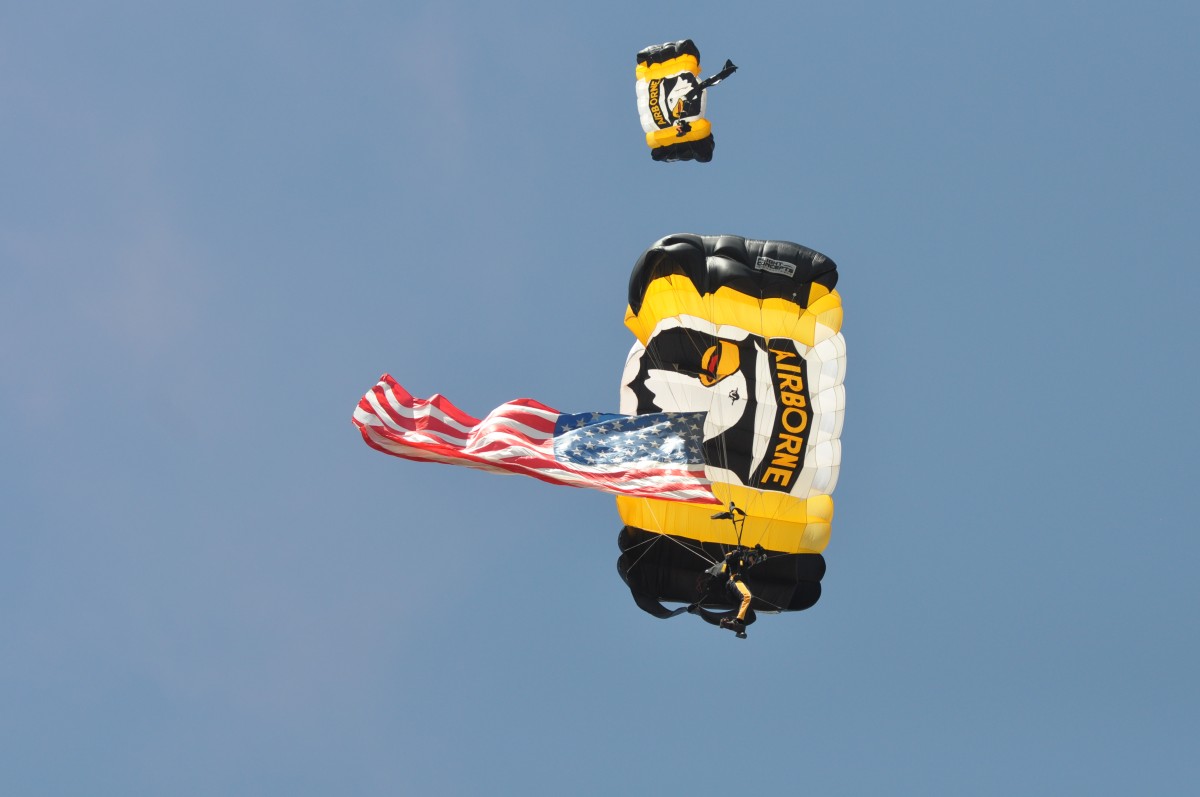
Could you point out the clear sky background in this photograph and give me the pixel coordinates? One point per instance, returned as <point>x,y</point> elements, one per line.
<point>221,222</point>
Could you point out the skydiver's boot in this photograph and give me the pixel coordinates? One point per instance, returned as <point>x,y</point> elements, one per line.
<point>735,625</point>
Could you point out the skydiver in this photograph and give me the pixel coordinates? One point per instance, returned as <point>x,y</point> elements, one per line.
<point>733,568</point>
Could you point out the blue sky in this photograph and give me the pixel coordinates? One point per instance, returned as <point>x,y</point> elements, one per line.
<point>222,222</point>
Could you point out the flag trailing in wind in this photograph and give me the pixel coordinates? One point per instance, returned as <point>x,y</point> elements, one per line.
<point>656,455</point>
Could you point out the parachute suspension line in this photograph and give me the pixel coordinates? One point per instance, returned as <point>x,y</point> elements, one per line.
<point>660,524</point>
<point>696,551</point>
<point>640,544</point>
<point>776,606</point>
<point>648,548</point>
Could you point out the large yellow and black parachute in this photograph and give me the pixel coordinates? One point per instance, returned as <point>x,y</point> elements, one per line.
<point>728,435</point>
<point>747,332</point>
<point>672,100</point>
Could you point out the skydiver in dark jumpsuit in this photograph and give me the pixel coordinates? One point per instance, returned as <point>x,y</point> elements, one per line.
<point>736,563</point>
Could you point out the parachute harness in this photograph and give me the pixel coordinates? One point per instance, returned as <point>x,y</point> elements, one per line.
<point>737,517</point>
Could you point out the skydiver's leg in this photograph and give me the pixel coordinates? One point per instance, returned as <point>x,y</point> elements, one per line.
<point>745,591</point>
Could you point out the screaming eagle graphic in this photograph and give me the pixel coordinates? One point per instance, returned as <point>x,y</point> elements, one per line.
<point>744,386</point>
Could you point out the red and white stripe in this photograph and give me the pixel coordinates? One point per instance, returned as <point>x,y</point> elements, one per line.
<point>517,437</point>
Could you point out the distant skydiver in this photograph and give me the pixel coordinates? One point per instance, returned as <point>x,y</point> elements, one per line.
<point>671,101</point>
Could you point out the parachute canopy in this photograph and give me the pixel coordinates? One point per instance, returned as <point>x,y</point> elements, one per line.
<point>747,332</point>
<point>731,412</point>
<point>672,100</point>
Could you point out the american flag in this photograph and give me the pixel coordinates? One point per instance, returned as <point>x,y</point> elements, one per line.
<point>653,456</point>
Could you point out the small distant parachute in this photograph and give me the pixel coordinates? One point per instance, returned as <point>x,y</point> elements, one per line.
<point>672,100</point>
